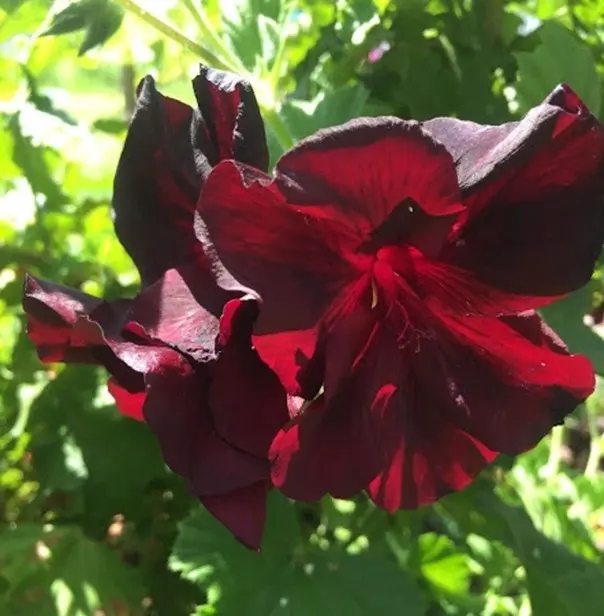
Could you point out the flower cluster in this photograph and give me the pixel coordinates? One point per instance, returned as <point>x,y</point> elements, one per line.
<point>361,319</point>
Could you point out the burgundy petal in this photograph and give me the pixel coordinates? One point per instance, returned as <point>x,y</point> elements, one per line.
<point>397,440</point>
<point>177,410</point>
<point>339,442</point>
<point>58,321</point>
<point>242,511</point>
<point>128,403</point>
<point>484,154</point>
<point>419,473</point>
<point>508,380</point>
<point>232,117</point>
<point>358,174</point>
<point>169,151</point>
<point>534,190</point>
<point>447,288</point>
<point>296,262</point>
<point>69,326</point>
<point>157,183</point>
<point>426,402</point>
<point>182,308</point>
<point>248,403</point>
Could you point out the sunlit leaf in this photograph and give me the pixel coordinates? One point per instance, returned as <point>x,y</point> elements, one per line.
<point>61,572</point>
<point>560,57</point>
<point>99,18</point>
<point>289,577</point>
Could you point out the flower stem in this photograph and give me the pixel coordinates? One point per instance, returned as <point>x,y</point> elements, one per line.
<point>278,126</point>
<point>231,63</point>
<point>555,451</point>
<point>176,35</point>
<point>595,445</point>
<point>206,30</point>
<point>275,73</point>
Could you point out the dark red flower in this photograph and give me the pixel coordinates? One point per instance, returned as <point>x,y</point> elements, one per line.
<point>399,267</point>
<point>169,152</point>
<point>179,353</point>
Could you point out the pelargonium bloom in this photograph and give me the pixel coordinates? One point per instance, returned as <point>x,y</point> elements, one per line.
<point>179,353</point>
<point>400,266</point>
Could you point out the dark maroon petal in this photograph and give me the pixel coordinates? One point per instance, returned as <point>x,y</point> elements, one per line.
<point>59,321</point>
<point>157,183</point>
<point>67,325</point>
<point>182,308</point>
<point>369,173</point>
<point>534,190</point>
<point>483,154</point>
<point>339,442</point>
<point>232,118</point>
<point>242,511</point>
<point>508,380</point>
<point>177,410</point>
<point>296,262</point>
<point>448,288</point>
<point>169,152</point>
<point>419,473</point>
<point>542,244</point>
<point>426,403</point>
<point>248,403</point>
<point>128,403</point>
<point>383,428</point>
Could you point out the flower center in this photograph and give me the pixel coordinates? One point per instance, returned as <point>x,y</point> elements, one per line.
<point>390,291</point>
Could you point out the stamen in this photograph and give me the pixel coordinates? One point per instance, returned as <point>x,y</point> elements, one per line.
<point>304,407</point>
<point>374,294</point>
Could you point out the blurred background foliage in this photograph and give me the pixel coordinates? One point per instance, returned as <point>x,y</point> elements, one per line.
<point>91,521</point>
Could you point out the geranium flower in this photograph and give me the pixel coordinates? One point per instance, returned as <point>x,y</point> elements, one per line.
<point>400,265</point>
<point>179,353</point>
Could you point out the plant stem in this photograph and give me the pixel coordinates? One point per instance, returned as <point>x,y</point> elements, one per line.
<point>595,445</point>
<point>271,117</point>
<point>278,126</point>
<point>275,73</point>
<point>555,451</point>
<point>206,30</point>
<point>176,35</point>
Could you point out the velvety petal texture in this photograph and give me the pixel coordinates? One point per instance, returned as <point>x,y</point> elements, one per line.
<point>535,217</point>
<point>174,365</point>
<point>169,151</point>
<point>398,267</point>
<point>362,319</point>
<point>179,354</point>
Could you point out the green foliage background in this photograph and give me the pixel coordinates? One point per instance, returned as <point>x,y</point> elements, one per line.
<point>91,521</point>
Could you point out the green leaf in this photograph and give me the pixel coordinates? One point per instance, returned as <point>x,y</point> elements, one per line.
<point>103,24</point>
<point>442,564</point>
<point>112,126</point>
<point>33,160</point>
<point>65,573</point>
<point>290,577</point>
<point>554,573</point>
<point>100,19</point>
<point>328,109</point>
<point>23,17</point>
<point>270,37</point>
<point>70,451</point>
<point>566,318</point>
<point>246,23</point>
<point>561,57</point>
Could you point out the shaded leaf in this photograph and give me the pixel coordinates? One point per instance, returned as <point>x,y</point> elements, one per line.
<point>289,577</point>
<point>566,318</point>
<point>560,57</point>
<point>67,574</point>
<point>100,19</point>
